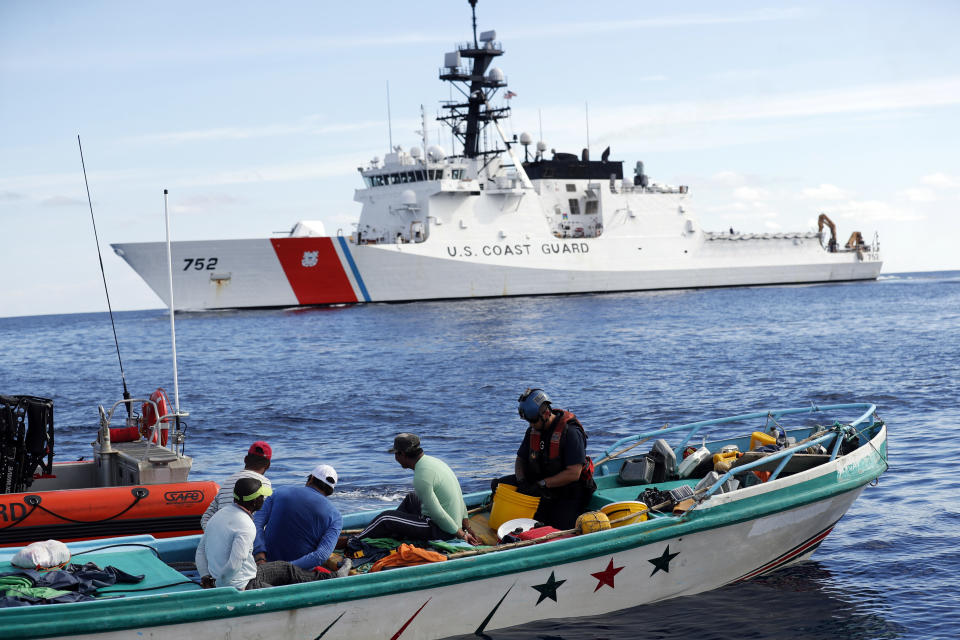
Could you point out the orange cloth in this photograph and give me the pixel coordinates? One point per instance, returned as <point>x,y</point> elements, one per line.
<point>407,555</point>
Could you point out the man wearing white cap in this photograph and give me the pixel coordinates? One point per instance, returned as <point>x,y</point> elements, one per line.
<point>299,524</point>
<point>224,555</point>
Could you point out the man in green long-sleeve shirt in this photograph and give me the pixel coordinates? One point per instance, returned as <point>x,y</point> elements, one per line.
<point>434,510</point>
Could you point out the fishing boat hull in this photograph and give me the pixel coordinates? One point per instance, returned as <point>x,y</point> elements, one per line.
<point>621,578</point>
<point>284,272</point>
<point>729,538</point>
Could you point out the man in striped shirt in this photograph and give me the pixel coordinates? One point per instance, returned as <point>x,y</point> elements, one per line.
<point>255,464</point>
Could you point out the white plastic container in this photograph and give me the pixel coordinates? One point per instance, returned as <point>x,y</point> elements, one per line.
<point>708,481</point>
<point>692,461</point>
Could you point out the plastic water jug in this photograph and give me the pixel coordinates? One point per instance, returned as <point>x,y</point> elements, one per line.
<point>692,461</point>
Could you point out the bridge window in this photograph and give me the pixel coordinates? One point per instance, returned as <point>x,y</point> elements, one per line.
<point>574,206</point>
<point>571,188</point>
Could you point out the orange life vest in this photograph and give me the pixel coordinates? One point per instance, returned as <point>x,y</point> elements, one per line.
<point>544,464</point>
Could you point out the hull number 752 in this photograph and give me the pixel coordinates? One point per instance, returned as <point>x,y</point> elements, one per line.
<point>199,264</point>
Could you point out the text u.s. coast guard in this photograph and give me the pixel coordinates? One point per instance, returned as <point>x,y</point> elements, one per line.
<point>547,248</point>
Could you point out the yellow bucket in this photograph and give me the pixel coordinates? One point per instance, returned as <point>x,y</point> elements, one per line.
<point>619,510</point>
<point>509,504</point>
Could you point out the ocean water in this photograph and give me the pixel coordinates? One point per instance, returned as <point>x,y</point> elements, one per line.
<point>335,385</point>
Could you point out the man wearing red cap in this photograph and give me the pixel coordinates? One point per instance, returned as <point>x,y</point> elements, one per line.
<point>255,464</point>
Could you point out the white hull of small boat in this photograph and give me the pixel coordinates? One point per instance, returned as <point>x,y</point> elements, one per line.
<point>726,538</point>
<point>608,582</point>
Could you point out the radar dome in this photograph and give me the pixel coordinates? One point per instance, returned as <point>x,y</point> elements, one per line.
<point>415,152</point>
<point>525,138</point>
<point>541,146</point>
<point>308,229</point>
<point>408,198</point>
<point>435,152</point>
<point>495,75</point>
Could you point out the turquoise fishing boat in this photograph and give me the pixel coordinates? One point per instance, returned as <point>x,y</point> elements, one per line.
<point>754,493</point>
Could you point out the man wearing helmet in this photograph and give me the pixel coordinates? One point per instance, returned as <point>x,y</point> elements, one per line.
<point>552,462</point>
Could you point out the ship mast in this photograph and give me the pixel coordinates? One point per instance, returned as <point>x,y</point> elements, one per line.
<point>473,10</point>
<point>468,119</point>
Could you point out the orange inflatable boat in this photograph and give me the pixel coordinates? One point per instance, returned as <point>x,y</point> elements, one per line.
<point>137,484</point>
<point>162,510</point>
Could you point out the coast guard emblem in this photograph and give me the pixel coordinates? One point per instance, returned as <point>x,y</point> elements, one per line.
<point>309,258</point>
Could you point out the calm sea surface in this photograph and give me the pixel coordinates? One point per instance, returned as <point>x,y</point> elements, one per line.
<point>335,385</point>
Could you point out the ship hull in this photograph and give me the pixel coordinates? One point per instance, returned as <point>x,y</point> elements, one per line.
<point>283,272</point>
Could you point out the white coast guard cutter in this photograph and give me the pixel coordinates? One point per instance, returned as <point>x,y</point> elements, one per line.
<point>483,223</point>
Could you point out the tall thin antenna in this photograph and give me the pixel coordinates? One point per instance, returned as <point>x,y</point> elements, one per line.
<point>173,332</point>
<point>123,377</point>
<point>586,115</point>
<point>473,9</point>
<point>389,119</point>
<point>426,142</point>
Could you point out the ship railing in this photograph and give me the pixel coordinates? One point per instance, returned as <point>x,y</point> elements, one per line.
<point>155,437</point>
<point>721,235</point>
<point>874,248</point>
<point>489,46</point>
<point>694,428</point>
<point>464,74</point>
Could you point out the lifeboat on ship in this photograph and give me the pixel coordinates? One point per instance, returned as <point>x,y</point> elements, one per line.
<point>137,484</point>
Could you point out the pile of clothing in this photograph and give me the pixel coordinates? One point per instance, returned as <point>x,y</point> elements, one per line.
<point>72,583</point>
<point>375,554</point>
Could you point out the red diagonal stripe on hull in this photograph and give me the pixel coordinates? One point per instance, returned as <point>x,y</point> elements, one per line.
<point>323,283</point>
<point>407,623</point>
<point>787,556</point>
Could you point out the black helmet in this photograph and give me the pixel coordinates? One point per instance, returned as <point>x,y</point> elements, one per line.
<point>530,402</point>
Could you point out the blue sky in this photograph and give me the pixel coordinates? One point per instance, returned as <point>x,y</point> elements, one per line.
<point>256,115</point>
